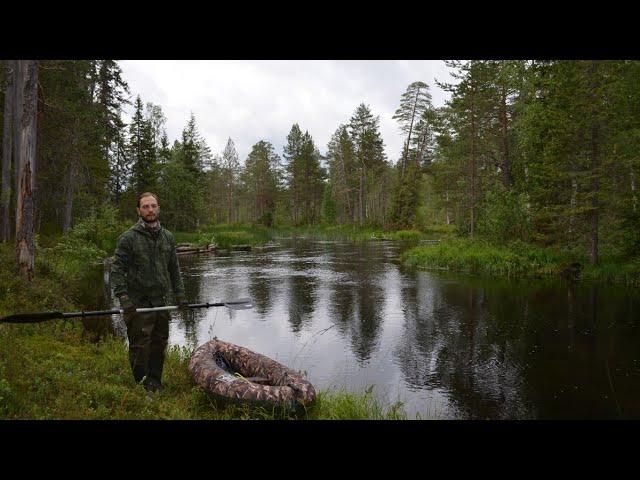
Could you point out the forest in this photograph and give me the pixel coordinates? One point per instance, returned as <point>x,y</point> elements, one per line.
<point>538,152</point>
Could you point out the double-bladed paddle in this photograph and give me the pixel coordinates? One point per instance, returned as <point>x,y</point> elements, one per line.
<point>239,304</point>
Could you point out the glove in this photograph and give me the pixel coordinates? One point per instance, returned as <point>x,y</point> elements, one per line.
<point>127,305</point>
<point>182,302</point>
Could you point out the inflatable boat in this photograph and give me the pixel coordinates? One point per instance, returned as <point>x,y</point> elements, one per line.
<point>236,373</point>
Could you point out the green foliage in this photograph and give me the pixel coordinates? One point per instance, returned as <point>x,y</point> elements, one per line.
<point>338,404</point>
<point>266,219</point>
<point>304,176</point>
<point>261,178</point>
<point>505,216</point>
<point>631,232</point>
<point>91,240</point>
<point>225,236</point>
<point>405,235</point>
<point>462,255</point>
<point>330,208</point>
<point>519,259</point>
<point>405,201</point>
<point>5,393</point>
<point>180,194</point>
<point>142,152</point>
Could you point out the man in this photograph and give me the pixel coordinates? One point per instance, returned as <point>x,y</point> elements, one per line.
<point>144,273</point>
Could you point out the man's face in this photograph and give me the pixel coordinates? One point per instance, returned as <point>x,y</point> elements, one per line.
<point>148,209</point>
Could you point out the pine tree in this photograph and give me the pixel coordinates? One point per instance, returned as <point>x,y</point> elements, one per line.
<point>261,180</point>
<point>342,175</point>
<point>369,152</point>
<point>468,110</point>
<point>415,103</point>
<point>230,174</point>
<point>294,168</point>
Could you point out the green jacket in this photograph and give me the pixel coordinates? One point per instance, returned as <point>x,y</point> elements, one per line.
<point>146,267</point>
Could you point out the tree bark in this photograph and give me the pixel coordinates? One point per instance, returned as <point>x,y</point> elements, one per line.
<point>345,185</point>
<point>70,187</point>
<point>446,208</point>
<point>506,162</point>
<point>361,198</point>
<point>7,142</point>
<point>473,165</point>
<point>574,196</point>
<point>18,85</point>
<point>25,248</point>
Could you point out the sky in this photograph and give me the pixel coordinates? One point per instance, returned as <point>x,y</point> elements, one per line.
<point>250,101</point>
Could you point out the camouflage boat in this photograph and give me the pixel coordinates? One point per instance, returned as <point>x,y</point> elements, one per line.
<point>233,372</point>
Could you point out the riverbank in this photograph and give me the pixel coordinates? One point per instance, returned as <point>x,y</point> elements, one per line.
<point>228,236</point>
<point>520,260</point>
<point>52,370</point>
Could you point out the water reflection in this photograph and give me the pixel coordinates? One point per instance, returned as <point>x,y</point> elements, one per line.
<point>356,305</point>
<point>476,348</point>
<point>261,291</point>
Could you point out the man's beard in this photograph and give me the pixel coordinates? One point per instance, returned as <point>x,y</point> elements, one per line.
<point>150,221</point>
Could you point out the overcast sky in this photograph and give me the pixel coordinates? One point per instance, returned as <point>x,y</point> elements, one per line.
<point>251,101</point>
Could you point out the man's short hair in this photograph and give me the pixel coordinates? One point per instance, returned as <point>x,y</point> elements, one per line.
<point>147,194</point>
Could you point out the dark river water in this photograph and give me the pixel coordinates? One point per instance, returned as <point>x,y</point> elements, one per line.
<point>448,346</point>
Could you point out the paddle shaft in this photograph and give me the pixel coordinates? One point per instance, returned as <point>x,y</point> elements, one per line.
<point>115,311</point>
<point>240,304</point>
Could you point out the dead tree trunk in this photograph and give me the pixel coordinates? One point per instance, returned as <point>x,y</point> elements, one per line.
<point>6,150</point>
<point>25,249</point>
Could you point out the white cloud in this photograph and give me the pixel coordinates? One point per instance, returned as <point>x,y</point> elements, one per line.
<point>260,100</point>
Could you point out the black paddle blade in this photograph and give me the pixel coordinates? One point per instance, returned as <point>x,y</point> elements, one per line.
<point>239,304</point>
<point>31,317</point>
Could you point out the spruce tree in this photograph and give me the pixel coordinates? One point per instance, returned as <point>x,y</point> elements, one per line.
<point>142,151</point>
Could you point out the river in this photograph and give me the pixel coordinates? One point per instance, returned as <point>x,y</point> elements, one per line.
<point>448,346</point>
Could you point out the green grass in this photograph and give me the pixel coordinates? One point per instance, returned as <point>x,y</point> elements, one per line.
<point>338,404</point>
<point>341,232</point>
<point>225,236</point>
<point>479,257</point>
<point>613,270</point>
<point>48,371</point>
<point>516,260</point>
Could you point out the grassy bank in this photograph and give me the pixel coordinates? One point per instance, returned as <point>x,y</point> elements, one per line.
<point>519,260</point>
<point>51,370</point>
<point>48,371</point>
<point>353,234</point>
<point>227,236</point>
